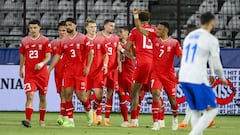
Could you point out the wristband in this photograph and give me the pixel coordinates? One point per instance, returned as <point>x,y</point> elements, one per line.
<point>135,16</point>
<point>105,65</point>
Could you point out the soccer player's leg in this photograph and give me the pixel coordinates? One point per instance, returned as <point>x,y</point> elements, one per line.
<point>161,120</point>
<point>81,95</point>
<point>68,83</point>
<point>59,88</point>
<point>186,119</point>
<point>156,86</point>
<point>169,83</point>
<point>30,88</point>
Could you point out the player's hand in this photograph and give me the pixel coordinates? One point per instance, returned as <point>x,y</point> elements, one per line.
<point>39,66</point>
<point>119,69</point>
<point>105,69</point>
<point>86,70</point>
<point>211,79</point>
<point>21,74</point>
<point>224,81</point>
<point>135,11</point>
<point>119,47</point>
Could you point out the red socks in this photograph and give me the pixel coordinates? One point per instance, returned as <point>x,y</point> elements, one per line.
<point>28,113</point>
<point>123,107</point>
<point>42,113</point>
<point>175,110</point>
<point>87,106</point>
<point>108,108</point>
<point>155,110</point>
<point>161,111</point>
<point>69,109</point>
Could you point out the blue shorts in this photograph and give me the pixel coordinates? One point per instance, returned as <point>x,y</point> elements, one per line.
<point>199,96</point>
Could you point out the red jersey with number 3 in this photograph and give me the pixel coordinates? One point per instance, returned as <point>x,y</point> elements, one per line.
<point>164,52</point>
<point>34,51</point>
<point>75,52</point>
<point>111,42</point>
<point>100,49</point>
<point>144,46</point>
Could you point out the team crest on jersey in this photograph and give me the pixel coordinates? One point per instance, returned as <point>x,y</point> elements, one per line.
<point>78,46</point>
<point>98,46</point>
<point>27,46</point>
<point>65,46</point>
<point>40,46</point>
<point>169,48</point>
<point>157,44</point>
<point>33,45</point>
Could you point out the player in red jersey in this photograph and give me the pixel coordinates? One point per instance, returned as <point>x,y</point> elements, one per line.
<point>58,70</point>
<point>99,67</point>
<point>75,48</point>
<point>164,50</point>
<point>35,52</point>
<point>144,57</point>
<point>125,78</point>
<point>114,64</point>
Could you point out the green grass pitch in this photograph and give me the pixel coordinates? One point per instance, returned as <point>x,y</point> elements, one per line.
<point>10,124</point>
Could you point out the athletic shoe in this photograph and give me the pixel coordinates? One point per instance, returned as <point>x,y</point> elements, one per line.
<point>161,123</point>
<point>60,120</point>
<point>107,123</point>
<point>155,126</point>
<point>94,118</point>
<point>26,123</point>
<point>99,120</point>
<point>124,124</point>
<point>133,124</point>
<point>89,117</point>
<point>212,123</point>
<point>68,123</point>
<point>42,123</point>
<point>174,123</point>
<point>183,125</point>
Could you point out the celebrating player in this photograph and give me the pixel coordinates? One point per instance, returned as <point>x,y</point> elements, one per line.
<point>144,57</point>
<point>125,78</point>
<point>114,65</point>
<point>75,48</point>
<point>164,50</point>
<point>58,70</point>
<point>35,52</point>
<point>99,68</point>
<point>199,47</point>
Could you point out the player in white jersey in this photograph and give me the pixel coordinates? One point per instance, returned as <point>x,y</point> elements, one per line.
<point>200,47</point>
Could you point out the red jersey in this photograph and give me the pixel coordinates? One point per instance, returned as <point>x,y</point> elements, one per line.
<point>75,53</point>
<point>127,64</point>
<point>144,46</point>
<point>164,52</point>
<point>59,67</point>
<point>34,51</point>
<point>99,50</point>
<point>111,42</point>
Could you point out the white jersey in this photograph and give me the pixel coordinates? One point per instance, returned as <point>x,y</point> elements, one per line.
<point>198,47</point>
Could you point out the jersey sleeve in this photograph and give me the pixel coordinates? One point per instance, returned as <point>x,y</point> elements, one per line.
<point>104,48</point>
<point>55,46</point>
<point>132,36</point>
<point>22,48</point>
<point>152,35</point>
<point>48,46</point>
<point>178,49</point>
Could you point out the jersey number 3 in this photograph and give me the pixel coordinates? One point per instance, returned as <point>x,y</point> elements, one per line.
<point>191,49</point>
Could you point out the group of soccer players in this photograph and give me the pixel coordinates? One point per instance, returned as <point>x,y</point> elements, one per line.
<point>102,59</point>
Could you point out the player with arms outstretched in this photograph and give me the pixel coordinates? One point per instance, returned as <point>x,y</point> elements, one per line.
<point>78,55</point>
<point>144,57</point>
<point>35,52</point>
<point>199,47</point>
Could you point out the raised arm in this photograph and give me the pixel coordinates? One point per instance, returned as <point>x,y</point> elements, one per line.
<point>138,23</point>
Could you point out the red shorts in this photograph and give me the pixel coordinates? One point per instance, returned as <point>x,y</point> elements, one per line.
<point>124,82</point>
<point>142,73</point>
<point>77,82</point>
<point>58,83</point>
<point>166,80</point>
<point>36,82</point>
<point>95,82</point>
<point>111,80</point>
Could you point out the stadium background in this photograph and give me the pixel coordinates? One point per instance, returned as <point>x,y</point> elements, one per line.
<point>15,14</point>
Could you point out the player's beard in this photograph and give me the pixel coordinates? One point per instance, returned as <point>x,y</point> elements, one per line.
<point>69,31</point>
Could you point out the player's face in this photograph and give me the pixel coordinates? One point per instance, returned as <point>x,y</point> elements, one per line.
<point>109,27</point>
<point>62,31</point>
<point>34,30</point>
<point>71,27</point>
<point>212,24</point>
<point>91,28</point>
<point>122,33</point>
<point>160,30</point>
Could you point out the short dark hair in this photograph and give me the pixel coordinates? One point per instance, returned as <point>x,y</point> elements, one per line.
<point>89,21</point>
<point>34,22</point>
<point>165,24</point>
<point>62,23</point>
<point>206,18</point>
<point>71,20</point>
<point>144,16</point>
<point>108,20</point>
<point>124,27</point>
